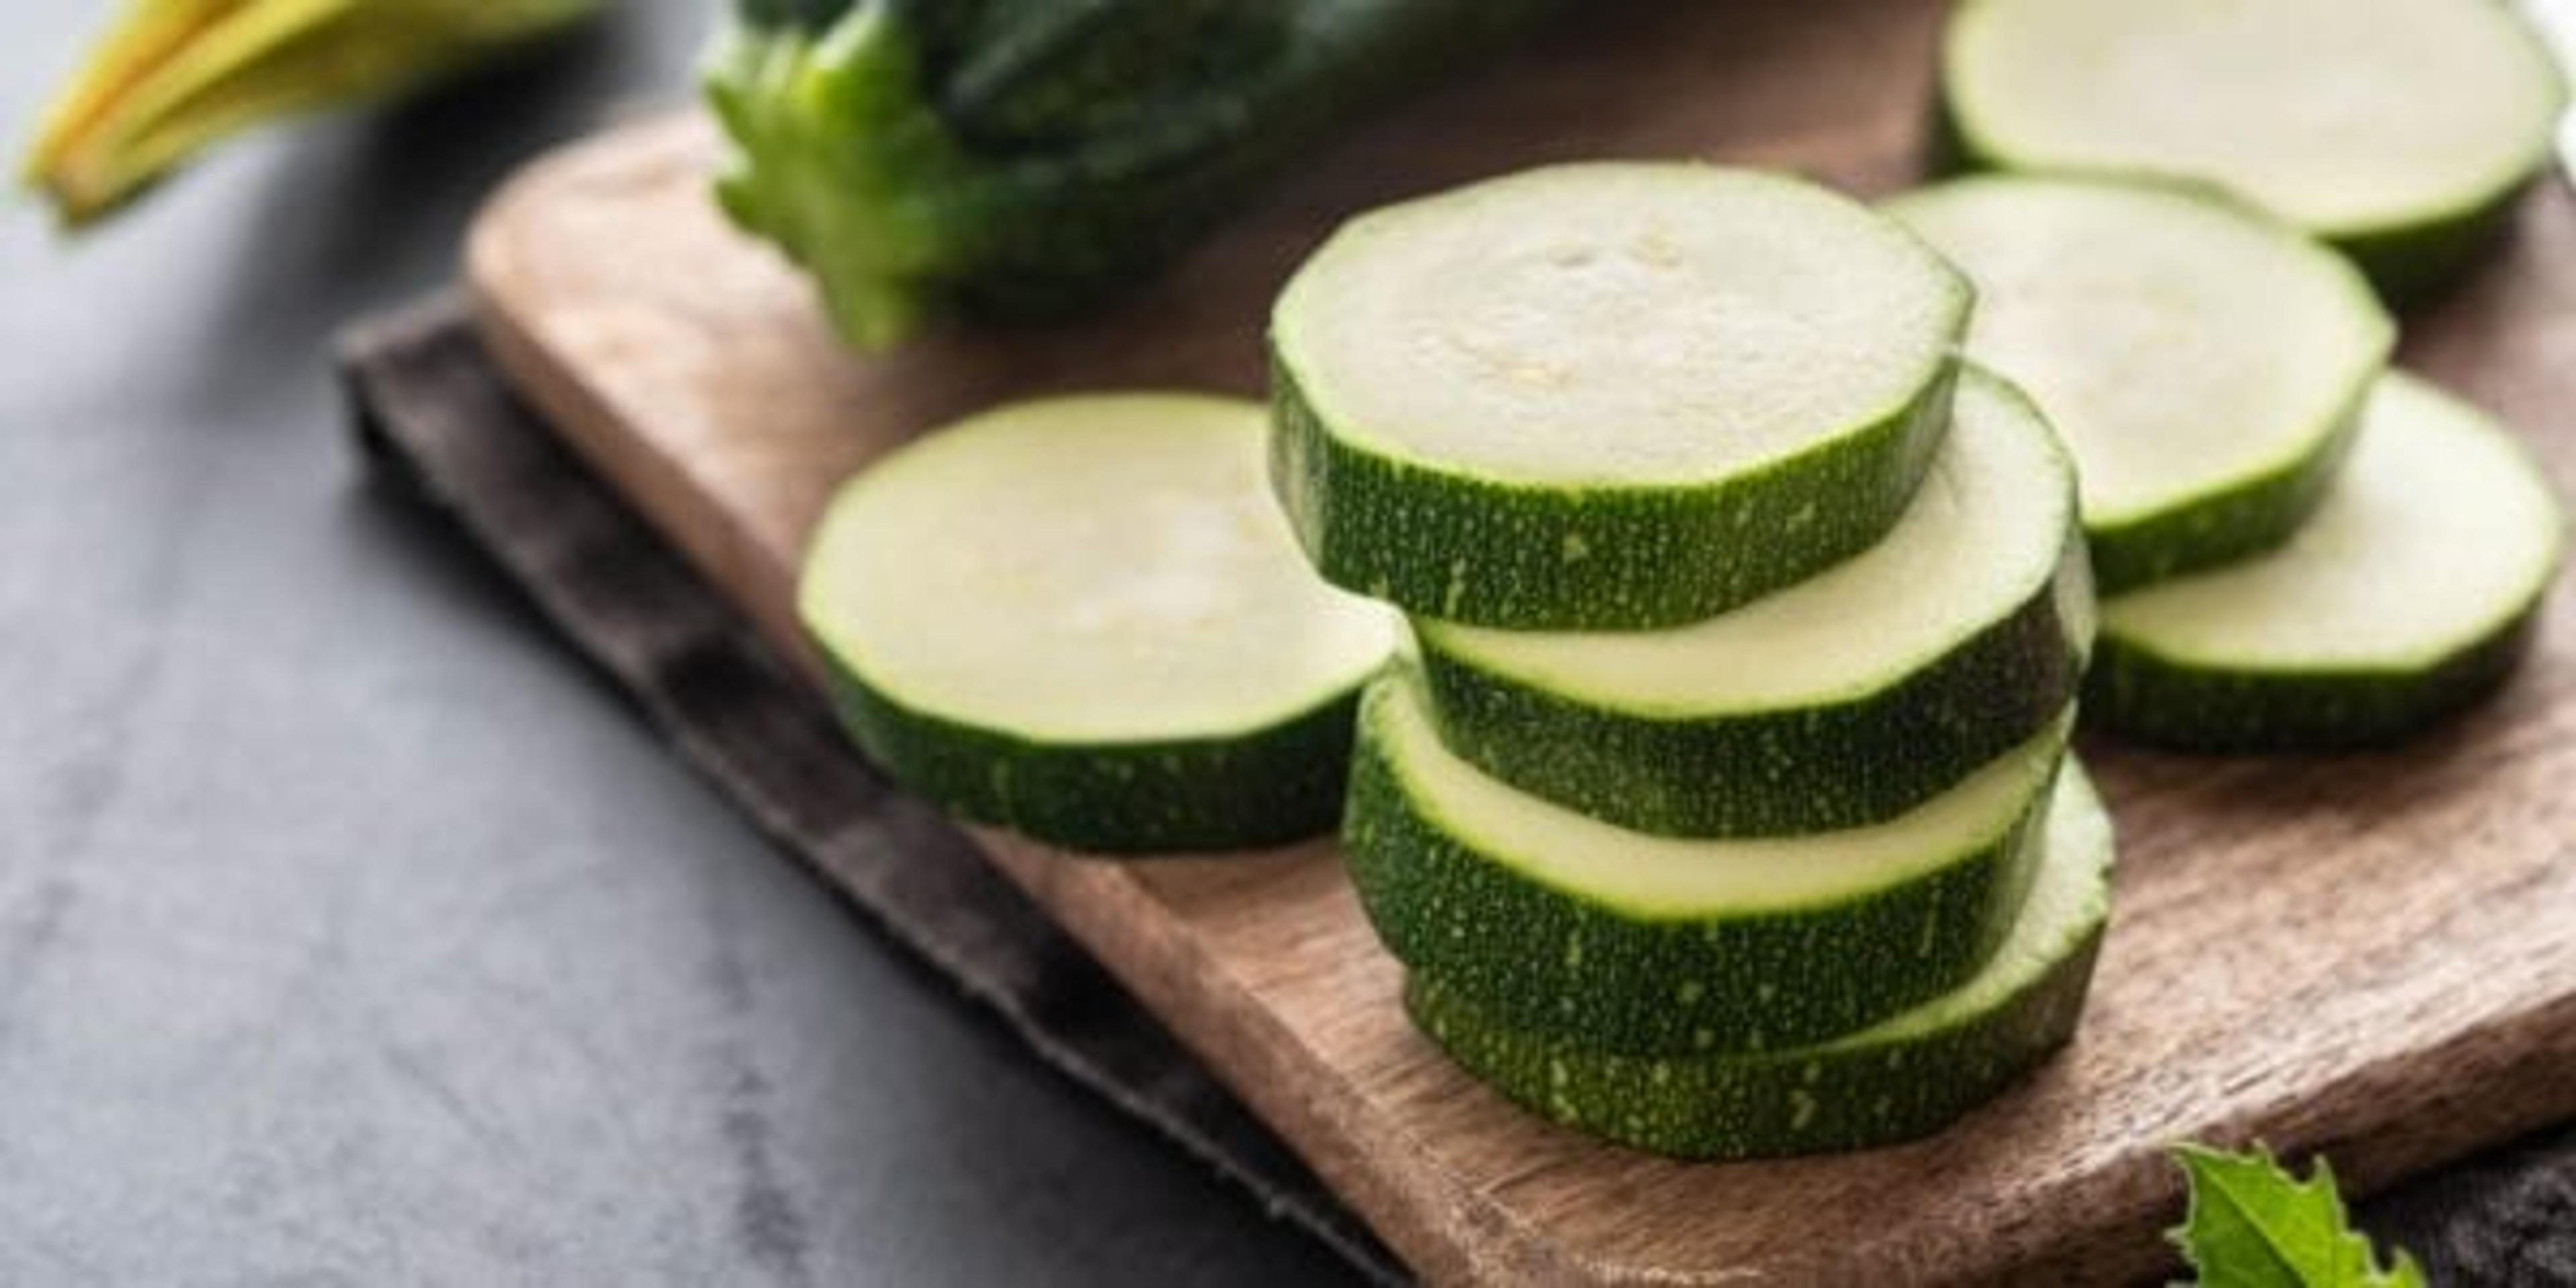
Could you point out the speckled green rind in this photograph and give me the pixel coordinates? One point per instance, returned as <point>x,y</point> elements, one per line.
<point>2138,693</point>
<point>1533,954</point>
<point>1492,552</point>
<point>1815,1100</point>
<point>2215,675</point>
<point>1905,1078</point>
<point>1263,787</point>
<point>1787,771</point>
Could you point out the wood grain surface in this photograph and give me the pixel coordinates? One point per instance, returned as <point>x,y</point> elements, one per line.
<point>2373,956</point>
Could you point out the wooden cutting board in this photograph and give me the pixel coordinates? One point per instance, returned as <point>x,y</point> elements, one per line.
<point>2371,956</point>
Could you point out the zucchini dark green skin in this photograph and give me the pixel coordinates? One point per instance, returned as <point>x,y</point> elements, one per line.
<point>1783,772</point>
<point>1186,796</point>
<point>2143,695</point>
<point>1534,955</point>
<point>1815,1100</point>
<point>1907,1077</point>
<point>1031,73</point>
<point>1019,160</point>
<point>1439,543</point>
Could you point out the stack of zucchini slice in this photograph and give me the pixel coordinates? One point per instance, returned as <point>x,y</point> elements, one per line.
<point>1724,807</point>
<point>2303,550</point>
<point>1721,803</point>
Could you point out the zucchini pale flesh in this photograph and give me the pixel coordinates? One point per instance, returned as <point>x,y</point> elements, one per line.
<point>1842,700</point>
<point>1024,159</point>
<point>1907,1076</point>
<point>2411,593</point>
<point>1630,942</point>
<point>1083,619</point>
<point>2399,130</point>
<point>1609,395</point>
<point>2204,362</point>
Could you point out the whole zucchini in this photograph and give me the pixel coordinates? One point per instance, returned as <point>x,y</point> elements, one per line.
<point>1024,159</point>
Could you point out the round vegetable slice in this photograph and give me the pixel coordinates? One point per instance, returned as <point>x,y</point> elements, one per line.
<point>1607,396</point>
<point>2203,362</point>
<point>1842,700</point>
<point>1905,1077</point>
<point>1083,618</point>
<point>1632,942</point>
<point>2411,593</point>
<point>2397,129</point>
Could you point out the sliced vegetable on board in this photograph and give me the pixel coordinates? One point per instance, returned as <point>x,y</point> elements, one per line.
<point>1907,1076</point>
<point>1607,395</point>
<point>1084,619</point>
<point>2411,593</point>
<point>1615,940</point>
<point>2204,362</point>
<point>1838,701</point>
<point>2399,130</point>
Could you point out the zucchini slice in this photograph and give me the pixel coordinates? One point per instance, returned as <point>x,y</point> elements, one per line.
<point>2411,593</point>
<point>1607,396</point>
<point>2399,130</point>
<point>1625,941</point>
<point>2203,362</point>
<point>1843,700</point>
<point>1905,1077</point>
<point>1084,619</point>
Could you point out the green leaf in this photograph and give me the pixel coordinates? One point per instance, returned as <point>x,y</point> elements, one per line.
<point>2251,1224</point>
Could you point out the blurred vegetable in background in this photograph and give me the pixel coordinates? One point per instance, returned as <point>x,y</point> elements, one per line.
<point>1023,159</point>
<point>176,75</point>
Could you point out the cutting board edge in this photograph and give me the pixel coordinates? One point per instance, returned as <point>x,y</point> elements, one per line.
<point>585,418</point>
<point>1424,1214</point>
